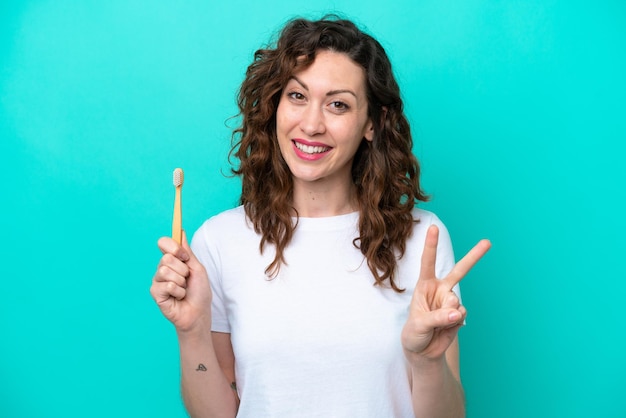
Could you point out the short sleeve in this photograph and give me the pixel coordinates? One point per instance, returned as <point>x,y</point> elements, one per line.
<point>205,249</point>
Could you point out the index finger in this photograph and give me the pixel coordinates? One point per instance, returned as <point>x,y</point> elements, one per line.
<point>429,255</point>
<point>464,265</point>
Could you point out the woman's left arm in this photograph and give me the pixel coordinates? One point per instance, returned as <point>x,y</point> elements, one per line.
<point>429,337</point>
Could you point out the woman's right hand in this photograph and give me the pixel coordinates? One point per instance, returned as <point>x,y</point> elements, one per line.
<point>180,286</point>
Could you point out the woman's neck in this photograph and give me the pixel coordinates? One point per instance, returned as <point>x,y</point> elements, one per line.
<point>313,200</point>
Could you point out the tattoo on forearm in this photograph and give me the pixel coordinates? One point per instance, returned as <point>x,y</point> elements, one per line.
<point>202,368</point>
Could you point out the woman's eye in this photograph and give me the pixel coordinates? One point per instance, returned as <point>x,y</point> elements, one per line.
<point>339,105</point>
<point>296,95</point>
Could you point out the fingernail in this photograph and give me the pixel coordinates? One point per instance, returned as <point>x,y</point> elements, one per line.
<point>185,256</point>
<point>454,316</point>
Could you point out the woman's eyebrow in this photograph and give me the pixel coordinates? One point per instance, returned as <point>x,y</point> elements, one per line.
<point>330,93</point>
<point>333,92</point>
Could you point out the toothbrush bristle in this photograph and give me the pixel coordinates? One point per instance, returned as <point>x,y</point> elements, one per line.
<point>178,177</point>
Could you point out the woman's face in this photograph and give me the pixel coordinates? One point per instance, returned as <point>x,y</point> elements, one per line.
<point>322,118</point>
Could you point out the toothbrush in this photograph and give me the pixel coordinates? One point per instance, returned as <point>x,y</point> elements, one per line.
<point>177,223</point>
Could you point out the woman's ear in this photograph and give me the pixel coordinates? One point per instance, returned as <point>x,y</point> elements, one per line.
<point>369,128</point>
<point>369,131</point>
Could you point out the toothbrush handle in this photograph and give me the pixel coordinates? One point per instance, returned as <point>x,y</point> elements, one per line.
<point>177,222</point>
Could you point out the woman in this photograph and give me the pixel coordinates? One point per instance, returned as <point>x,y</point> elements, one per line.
<point>305,300</point>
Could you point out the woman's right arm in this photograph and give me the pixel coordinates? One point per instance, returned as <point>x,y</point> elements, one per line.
<point>181,289</point>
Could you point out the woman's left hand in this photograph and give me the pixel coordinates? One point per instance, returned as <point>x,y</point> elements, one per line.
<point>436,314</point>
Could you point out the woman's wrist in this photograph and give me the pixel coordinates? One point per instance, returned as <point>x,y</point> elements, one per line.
<point>200,329</point>
<point>426,364</point>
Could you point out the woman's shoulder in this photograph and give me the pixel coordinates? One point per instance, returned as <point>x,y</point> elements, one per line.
<point>225,221</point>
<point>235,214</point>
<point>425,217</point>
<point>226,229</point>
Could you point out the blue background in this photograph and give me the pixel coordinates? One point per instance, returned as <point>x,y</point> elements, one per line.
<point>519,117</point>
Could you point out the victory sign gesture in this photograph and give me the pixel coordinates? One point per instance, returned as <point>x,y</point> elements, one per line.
<point>436,313</point>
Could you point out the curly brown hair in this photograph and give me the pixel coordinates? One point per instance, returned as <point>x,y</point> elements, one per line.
<point>385,171</point>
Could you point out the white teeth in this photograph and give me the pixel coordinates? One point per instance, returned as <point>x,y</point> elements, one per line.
<point>310,149</point>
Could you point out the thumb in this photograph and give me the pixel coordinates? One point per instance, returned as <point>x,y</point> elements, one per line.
<point>441,318</point>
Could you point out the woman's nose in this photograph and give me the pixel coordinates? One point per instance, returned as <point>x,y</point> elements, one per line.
<point>312,122</point>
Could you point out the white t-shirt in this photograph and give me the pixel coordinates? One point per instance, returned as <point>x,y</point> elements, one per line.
<point>319,339</point>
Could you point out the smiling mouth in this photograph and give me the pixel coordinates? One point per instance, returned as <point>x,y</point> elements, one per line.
<point>309,149</point>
